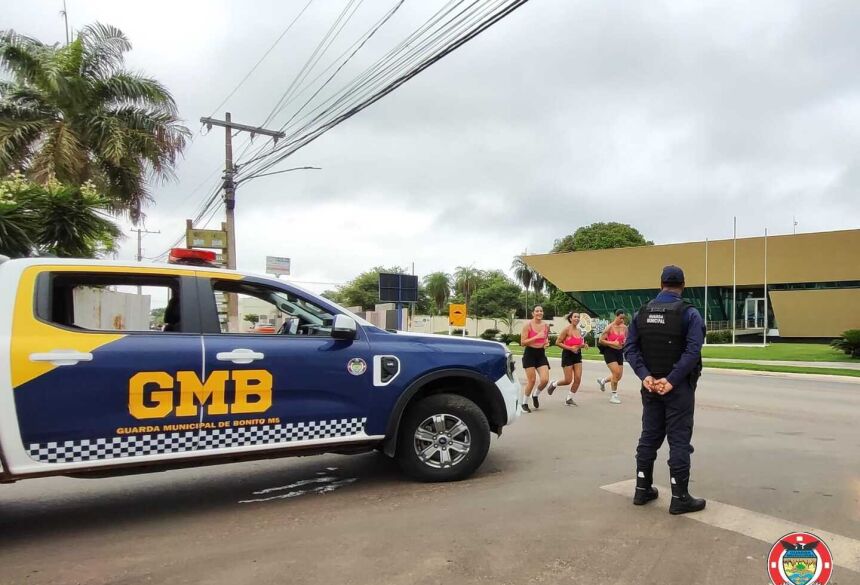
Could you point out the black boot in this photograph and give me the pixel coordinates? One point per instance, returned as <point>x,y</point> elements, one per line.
<point>645,492</point>
<point>682,501</point>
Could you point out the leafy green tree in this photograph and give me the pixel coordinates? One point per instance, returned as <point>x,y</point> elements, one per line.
<point>496,296</point>
<point>601,236</point>
<point>62,220</point>
<point>363,290</point>
<point>252,319</point>
<point>156,316</point>
<point>437,286</point>
<point>74,113</point>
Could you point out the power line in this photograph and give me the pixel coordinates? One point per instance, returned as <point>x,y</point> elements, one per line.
<point>257,64</point>
<point>319,126</point>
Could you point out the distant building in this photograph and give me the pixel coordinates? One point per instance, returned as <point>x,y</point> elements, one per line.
<point>813,280</point>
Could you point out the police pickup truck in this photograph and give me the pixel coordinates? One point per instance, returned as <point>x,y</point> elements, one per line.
<point>89,388</point>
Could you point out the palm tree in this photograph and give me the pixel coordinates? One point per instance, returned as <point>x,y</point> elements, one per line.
<point>62,220</point>
<point>524,274</point>
<point>466,280</point>
<point>539,283</point>
<point>76,114</point>
<point>438,286</point>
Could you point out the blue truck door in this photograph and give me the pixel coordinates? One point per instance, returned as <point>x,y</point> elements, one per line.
<point>92,380</point>
<point>288,381</point>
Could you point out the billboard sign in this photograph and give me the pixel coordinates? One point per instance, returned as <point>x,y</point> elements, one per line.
<point>277,265</point>
<point>216,239</point>
<point>398,288</point>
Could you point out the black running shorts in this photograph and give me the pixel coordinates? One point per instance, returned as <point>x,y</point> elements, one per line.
<point>534,357</point>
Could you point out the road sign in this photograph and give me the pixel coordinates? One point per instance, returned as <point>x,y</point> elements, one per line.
<point>206,239</point>
<point>457,315</point>
<point>277,265</point>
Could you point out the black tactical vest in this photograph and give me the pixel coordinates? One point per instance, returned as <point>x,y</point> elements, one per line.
<point>661,335</point>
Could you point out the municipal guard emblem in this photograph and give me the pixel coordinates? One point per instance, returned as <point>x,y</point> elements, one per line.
<point>799,558</point>
<point>356,366</point>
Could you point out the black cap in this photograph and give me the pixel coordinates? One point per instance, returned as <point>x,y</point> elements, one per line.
<point>672,275</point>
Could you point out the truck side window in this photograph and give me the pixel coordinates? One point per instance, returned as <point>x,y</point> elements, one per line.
<point>111,302</point>
<point>269,311</point>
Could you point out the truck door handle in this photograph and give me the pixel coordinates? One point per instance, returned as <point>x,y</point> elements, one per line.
<point>239,356</point>
<point>62,357</point>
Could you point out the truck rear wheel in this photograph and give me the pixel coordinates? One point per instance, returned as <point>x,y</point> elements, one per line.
<point>444,437</point>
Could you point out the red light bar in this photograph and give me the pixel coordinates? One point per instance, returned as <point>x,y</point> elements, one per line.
<point>186,256</point>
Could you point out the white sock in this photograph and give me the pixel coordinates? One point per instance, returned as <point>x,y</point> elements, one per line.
<point>536,393</point>
<point>570,394</point>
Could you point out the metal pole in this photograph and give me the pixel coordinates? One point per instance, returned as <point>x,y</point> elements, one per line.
<point>764,339</point>
<point>734,277</point>
<point>706,288</point>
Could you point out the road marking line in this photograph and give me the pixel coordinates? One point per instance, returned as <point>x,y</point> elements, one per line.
<point>845,550</point>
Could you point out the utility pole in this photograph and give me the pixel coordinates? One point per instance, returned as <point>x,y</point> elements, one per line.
<point>230,197</point>
<point>140,233</point>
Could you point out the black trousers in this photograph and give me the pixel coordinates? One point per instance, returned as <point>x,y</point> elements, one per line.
<point>669,416</point>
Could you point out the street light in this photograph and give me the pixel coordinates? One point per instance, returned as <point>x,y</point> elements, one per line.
<point>278,173</point>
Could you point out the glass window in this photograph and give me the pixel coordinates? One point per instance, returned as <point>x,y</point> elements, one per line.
<point>271,311</point>
<point>112,302</point>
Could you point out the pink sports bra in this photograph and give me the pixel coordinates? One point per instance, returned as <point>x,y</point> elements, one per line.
<point>572,341</point>
<point>619,337</point>
<point>543,335</point>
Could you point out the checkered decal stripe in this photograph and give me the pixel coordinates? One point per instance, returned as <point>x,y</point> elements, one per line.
<point>155,444</point>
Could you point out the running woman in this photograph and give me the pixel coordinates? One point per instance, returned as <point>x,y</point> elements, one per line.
<point>571,343</point>
<point>612,340</point>
<point>534,338</point>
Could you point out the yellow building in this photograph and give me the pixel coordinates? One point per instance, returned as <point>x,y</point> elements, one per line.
<point>812,280</point>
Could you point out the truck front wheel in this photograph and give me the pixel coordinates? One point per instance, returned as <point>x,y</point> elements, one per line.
<point>444,437</point>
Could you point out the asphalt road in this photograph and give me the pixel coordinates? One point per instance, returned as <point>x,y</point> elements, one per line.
<point>778,451</point>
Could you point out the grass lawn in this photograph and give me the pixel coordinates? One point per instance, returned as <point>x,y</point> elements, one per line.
<point>785,369</point>
<point>790,352</point>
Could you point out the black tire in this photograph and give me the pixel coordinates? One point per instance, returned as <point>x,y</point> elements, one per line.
<point>450,407</point>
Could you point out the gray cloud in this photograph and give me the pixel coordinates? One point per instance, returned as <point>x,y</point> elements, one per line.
<point>671,116</point>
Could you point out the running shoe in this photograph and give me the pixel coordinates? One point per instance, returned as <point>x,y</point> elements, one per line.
<point>526,407</point>
<point>602,383</point>
<point>535,401</point>
<point>570,402</point>
<point>615,399</point>
<point>551,387</point>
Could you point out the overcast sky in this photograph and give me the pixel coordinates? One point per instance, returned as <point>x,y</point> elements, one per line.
<point>670,116</point>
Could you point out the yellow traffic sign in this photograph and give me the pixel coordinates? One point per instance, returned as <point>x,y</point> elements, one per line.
<point>457,315</point>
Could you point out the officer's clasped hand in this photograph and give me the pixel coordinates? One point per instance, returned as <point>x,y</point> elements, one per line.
<point>661,386</point>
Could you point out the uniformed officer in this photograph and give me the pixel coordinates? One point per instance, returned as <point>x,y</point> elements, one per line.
<point>664,348</point>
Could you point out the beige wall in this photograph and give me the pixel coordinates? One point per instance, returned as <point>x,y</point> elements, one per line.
<point>815,257</point>
<point>427,324</point>
<point>816,313</point>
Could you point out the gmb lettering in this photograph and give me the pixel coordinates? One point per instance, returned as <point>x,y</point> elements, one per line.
<point>153,395</point>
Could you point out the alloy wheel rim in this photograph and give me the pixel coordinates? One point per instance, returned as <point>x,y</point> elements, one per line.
<point>442,441</point>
